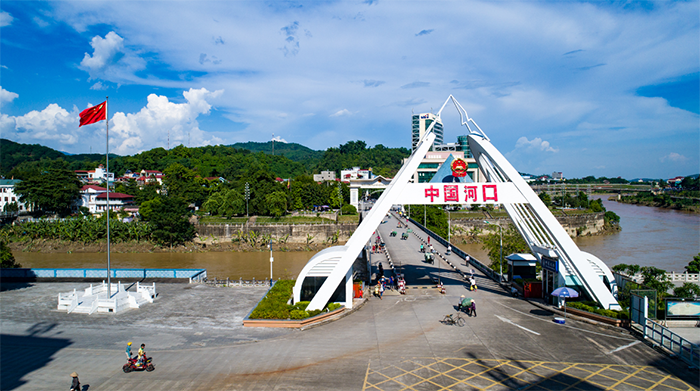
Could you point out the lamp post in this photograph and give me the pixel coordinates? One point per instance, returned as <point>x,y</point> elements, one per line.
<point>247,197</point>
<point>271,260</point>
<point>500,261</point>
<point>448,226</point>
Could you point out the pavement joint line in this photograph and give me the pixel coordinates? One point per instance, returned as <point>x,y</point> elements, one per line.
<point>564,325</point>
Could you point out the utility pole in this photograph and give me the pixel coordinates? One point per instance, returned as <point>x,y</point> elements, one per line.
<point>247,197</point>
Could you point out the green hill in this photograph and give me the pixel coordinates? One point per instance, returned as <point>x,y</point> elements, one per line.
<point>292,151</point>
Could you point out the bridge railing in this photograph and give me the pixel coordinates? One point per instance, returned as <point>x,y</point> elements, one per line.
<point>26,273</point>
<point>475,262</point>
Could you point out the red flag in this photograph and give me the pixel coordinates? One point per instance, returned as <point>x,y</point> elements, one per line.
<point>93,114</point>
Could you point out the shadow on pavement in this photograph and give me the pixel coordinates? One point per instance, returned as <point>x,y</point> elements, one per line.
<point>11,286</point>
<point>20,355</point>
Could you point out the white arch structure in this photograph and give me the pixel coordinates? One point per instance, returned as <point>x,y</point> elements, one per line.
<point>545,236</point>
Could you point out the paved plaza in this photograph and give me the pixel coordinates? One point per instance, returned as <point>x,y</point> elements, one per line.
<point>195,335</point>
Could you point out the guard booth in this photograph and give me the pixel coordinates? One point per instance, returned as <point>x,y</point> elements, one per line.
<point>524,266</point>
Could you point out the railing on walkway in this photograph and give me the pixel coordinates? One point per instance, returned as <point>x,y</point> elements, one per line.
<point>672,276</point>
<point>191,274</point>
<point>239,283</point>
<point>667,339</point>
<point>475,262</point>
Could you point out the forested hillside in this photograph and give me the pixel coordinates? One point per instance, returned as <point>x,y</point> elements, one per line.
<point>293,151</point>
<point>21,160</point>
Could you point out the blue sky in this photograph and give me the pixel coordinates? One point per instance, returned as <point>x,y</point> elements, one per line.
<point>586,88</point>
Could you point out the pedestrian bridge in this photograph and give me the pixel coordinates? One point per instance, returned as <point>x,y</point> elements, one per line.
<point>329,272</point>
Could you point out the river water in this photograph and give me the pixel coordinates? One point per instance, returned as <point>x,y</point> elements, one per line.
<point>650,236</point>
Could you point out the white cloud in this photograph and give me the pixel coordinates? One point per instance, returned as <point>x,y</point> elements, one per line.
<point>99,86</point>
<point>54,123</point>
<point>5,19</point>
<point>674,157</point>
<point>163,121</point>
<point>534,145</point>
<point>340,113</point>
<point>279,139</point>
<point>7,96</point>
<point>110,59</point>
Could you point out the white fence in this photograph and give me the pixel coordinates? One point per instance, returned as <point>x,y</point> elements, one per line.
<point>94,298</point>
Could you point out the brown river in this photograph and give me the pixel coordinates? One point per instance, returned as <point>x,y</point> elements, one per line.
<point>663,238</point>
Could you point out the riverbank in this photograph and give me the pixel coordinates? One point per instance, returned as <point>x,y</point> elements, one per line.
<point>50,246</point>
<point>683,204</point>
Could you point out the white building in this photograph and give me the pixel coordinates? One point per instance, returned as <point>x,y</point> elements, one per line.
<point>557,176</point>
<point>324,176</point>
<point>8,196</point>
<point>97,175</point>
<point>95,199</point>
<point>88,197</point>
<point>355,173</point>
<point>420,124</point>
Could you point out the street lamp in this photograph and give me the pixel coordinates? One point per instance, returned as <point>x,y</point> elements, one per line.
<point>247,197</point>
<point>448,226</point>
<point>500,261</point>
<point>271,260</point>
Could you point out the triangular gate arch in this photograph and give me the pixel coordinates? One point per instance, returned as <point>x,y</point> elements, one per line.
<point>545,236</point>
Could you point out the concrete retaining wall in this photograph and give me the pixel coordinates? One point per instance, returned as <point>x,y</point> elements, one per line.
<point>293,233</point>
<point>575,225</point>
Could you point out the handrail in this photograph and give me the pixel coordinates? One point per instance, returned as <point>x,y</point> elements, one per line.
<point>684,349</point>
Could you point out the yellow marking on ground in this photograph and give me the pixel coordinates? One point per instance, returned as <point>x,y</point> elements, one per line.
<point>430,373</point>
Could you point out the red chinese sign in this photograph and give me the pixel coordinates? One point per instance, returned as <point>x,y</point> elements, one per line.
<point>471,193</point>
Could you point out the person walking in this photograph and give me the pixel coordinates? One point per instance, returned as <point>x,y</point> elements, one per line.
<point>75,384</point>
<point>472,308</point>
<point>128,351</point>
<point>381,290</point>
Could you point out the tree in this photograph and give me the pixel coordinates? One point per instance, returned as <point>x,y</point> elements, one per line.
<point>512,243</point>
<point>169,218</point>
<point>183,183</point>
<point>688,289</point>
<point>546,199</point>
<point>7,260</point>
<point>276,203</point>
<point>51,190</point>
<point>657,279</point>
<point>694,265</point>
<point>348,210</point>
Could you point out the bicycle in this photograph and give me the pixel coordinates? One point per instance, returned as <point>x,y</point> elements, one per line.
<point>453,319</point>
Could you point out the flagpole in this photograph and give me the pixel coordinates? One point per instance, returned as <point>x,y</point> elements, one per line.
<point>109,272</point>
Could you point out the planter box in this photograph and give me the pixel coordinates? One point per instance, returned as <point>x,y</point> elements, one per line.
<point>599,318</point>
<point>288,323</point>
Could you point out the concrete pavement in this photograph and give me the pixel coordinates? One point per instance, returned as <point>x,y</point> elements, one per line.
<point>195,335</point>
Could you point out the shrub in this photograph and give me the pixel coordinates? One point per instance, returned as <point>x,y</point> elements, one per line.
<point>298,314</point>
<point>594,309</point>
<point>274,304</point>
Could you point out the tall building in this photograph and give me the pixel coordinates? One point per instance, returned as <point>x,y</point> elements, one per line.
<point>421,123</point>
